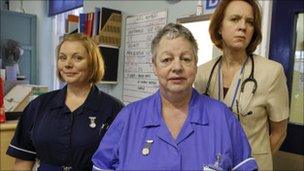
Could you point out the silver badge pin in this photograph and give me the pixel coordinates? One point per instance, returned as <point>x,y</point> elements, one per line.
<point>217,164</point>
<point>146,150</point>
<point>92,121</point>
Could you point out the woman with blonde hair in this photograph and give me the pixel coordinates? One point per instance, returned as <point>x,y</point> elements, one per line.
<point>63,128</point>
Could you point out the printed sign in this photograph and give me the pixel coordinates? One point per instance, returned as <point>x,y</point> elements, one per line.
<point>139,79</point>
<point>209,6</point>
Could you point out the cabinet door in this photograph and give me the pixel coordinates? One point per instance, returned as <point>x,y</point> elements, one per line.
<point>286,15</point>
<point>22,28</point>
<point>7,130</point>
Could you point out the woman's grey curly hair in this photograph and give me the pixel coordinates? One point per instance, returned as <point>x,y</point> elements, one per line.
<point>172,31</point>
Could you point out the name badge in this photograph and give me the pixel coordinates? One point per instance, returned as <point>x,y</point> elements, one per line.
<point>207,168</point>
<point>216,166</point>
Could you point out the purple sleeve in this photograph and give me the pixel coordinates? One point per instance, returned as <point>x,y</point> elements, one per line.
<point>106,156</point>
<point>241,150</point>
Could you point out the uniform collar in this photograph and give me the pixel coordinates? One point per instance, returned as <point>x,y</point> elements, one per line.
<point>92,102</point>
<point>60,98</point>
<point>197,111</point>
<point>154,117</point>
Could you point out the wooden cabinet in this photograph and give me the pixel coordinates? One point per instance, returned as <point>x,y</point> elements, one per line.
<point>7,131</point>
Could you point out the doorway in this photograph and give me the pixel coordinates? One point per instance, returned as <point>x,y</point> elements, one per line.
<point>287,47</point>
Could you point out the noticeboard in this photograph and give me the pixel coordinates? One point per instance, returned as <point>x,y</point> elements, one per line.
<point>139,79</point>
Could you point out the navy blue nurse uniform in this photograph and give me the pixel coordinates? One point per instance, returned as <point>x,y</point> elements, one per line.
<point>61,139</point>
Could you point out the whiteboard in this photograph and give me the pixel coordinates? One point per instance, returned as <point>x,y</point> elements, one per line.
<point>139,79</point>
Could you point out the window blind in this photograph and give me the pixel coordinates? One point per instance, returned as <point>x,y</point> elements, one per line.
<point>61,6</point>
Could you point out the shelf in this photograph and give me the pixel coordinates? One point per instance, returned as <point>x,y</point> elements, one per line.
<point>108,82</point>
<point>108,46</point>
<point>194,18</point>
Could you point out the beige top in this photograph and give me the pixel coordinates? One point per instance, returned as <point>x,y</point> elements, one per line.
<point>269,102</point>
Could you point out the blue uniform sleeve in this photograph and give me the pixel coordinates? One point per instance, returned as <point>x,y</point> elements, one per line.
<point>106,156</point>
<point>241,149</point>
<point>21,146</point>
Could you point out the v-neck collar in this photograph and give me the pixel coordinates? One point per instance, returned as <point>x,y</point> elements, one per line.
<point>235,86</point>
<point>91,103</point>
<point>196,115</point>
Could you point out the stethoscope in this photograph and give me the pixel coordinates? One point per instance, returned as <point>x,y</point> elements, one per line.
<point>245,81</point>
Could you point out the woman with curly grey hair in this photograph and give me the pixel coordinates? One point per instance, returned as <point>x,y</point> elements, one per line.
<point>175,128</point>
